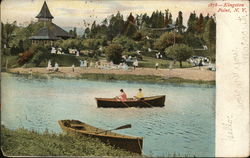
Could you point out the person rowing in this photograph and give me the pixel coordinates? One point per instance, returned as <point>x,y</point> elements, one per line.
<point>122,96</point>
<point>139,94</point>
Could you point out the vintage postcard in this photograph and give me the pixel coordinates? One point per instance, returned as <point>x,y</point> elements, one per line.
<point>151,78</point>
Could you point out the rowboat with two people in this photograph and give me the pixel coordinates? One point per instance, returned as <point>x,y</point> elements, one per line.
<point>128,143</point>
<point>145,102</point>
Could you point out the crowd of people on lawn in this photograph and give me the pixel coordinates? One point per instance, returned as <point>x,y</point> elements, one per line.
<point>125,62</point>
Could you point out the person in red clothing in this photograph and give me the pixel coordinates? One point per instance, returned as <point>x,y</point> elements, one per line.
<point>122,96</point>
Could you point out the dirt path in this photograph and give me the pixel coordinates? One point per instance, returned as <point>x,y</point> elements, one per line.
<point>186,73</point>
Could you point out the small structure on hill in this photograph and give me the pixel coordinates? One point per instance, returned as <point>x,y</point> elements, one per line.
<point>48,31</point>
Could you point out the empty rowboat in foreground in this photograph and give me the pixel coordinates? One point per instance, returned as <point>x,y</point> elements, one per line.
<point>154,101</point>
<point>128,143</point>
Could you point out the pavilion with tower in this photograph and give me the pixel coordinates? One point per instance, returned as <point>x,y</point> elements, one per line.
<point>48,32</point>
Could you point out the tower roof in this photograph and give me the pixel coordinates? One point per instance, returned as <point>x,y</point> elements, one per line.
<point>45,13</point>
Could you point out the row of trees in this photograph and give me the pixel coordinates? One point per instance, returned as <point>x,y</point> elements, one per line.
<point>199,31</point>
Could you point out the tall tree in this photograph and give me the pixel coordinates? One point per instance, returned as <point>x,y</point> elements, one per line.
<point>200,24</point>
<point>191,24</point>
<point>138,20</point>
<point>116,25</point>
<point>8,30</point>
<point>170,19</point>
<point>210,33</point>
<point>74,32</point>
<point>145,20</point>
<point>206,19</point>
<point>86,32</point>
<point>105,22</point>
<point>179,22</point>
<point>157,19</point>
<point>153,20</point>
<point>94,29</point>
<point>130,27</point>
<point>166,21</point>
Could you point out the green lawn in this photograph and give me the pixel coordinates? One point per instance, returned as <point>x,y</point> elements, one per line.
<point>68,60</point>
<point>22,142</point>
<point>163,63</point>
<point>11,61</point>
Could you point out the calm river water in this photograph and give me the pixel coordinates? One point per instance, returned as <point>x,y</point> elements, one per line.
<point>185,126</point>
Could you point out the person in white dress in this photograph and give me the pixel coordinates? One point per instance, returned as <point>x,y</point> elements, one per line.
<point>49,66</point>
<point>56,68</point>
<point>73,67</point>
<point>135,64</point>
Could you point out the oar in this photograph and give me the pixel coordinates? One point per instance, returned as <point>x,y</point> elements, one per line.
<point>146,103</point>
<point>122,102</point>
<point>125,104</point>
<point>118,128</point>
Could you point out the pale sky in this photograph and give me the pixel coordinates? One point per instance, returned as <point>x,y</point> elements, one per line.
<point>72,13</point>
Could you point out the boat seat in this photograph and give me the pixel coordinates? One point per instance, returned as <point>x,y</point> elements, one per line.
<point>78,126</point>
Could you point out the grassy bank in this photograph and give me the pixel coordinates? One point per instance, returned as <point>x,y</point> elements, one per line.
<point>119,77</point>
<point>22,142</point>
<point>9,61</point>
<point>142,78</point>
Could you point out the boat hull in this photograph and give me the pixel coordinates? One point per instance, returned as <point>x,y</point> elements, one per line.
<point>128,143</point>
<point>147,102</point>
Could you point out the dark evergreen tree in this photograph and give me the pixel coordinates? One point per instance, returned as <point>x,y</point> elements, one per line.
<point>200,24</point>
<point>179,22</point>
<point>74,32</point>
<point>160,20</point>
<point>206,18</point>
<point>86,32</point>
<point>191,24</point>
<point>145,20</point>
<point>20,46</point>
<point>170,19</point>
<point>130,27</point>
<point>166,21</point>
<point>210,33</point>
<point>116,26</point>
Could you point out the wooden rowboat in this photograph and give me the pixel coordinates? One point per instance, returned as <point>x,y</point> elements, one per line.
<point>154,101</point>
<point>128,143</point>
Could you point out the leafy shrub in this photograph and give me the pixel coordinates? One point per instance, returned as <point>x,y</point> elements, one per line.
<point>179,52</point>
<point>35,54</point>
<point>114,53</point>
<point>127,43</point>
<point>25,56</point>
<point>138,36</point>
<point>167,39</point>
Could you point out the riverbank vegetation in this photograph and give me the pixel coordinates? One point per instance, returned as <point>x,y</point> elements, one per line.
<point>143,78</point>
<point>21,142</point>
<point>120,77</point>
<point>139,36</point>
